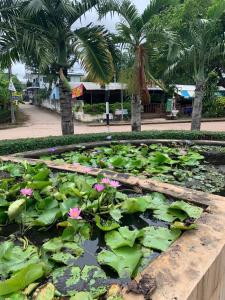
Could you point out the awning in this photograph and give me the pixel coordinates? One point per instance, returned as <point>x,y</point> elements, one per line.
<point>186,94</point>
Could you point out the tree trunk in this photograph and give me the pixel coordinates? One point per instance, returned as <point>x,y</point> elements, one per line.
<point>136,113</point>
<point>13,118</point>
<point>197,106</point>
<point>142,84</point>
<point>67,123</point>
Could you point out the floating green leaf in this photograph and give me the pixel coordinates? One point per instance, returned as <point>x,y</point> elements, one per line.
<point>107,226</point>
<point>132,205</point>
<point>182,226</point>
<point>16,208</point>
<point>123,237</point>
<point>169,215</point>
<point>191,210</point>
<point>13,258</point>
<point>116,214</point>
<point>159,238</point>
<point>71,280</point>
<point>123,260</point>
<point>48,217</point>
<point>22,279</point>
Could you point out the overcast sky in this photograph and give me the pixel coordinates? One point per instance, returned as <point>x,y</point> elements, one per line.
<point>19,69</point>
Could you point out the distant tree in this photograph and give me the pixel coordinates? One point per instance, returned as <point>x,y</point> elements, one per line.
<point>88,44</point>
<point>201,46</point>
<point>134,33</point>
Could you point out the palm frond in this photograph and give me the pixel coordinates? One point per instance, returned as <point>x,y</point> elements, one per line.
<point>93,53</point>
<point>155,7</point>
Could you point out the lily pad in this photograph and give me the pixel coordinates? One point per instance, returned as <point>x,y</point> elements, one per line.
<point>159,238</point>
<point>107,226</point>
<point>16,208</point>
<point>121,238</point>
<point>123,260</point>
<point>191,210</point>
<point>71,280</point>
<point>133,205</point>
<point>13,258</point>
<point>22,279</point>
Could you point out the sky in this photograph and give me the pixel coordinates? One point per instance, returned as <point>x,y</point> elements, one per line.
<point>19,69</point>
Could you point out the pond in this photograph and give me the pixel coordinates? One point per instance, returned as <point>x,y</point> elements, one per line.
<point>66,236</point>
<point>180,165</point>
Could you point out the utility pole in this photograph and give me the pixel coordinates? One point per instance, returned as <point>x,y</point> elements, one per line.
<point>11,90</point>
<point>107,94</point>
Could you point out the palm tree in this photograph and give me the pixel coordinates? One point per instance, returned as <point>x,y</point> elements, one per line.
<point>202,46</point>
<point>88,44</point>
<point>135,33</point>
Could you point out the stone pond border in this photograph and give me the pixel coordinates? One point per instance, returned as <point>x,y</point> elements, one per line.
<point>193,268</point>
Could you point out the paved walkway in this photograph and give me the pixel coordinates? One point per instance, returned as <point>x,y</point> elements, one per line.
<point>44,123</point>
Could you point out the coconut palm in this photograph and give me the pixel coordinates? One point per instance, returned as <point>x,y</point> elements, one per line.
<point>201,47</point>
<point>89,45</point>
<point>135,33</point>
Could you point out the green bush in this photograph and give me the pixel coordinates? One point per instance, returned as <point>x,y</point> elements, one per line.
<point>20,145</point>
<point>216,108</point>
<point>4,116</point>
<point>99,108</point>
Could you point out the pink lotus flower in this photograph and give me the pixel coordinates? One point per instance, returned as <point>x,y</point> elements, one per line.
<point>114,184</point>
<point>87,169</point>
<point>105,180</point>
<point>26,192</point>
<point>99,187</point>
<point>74,213</point>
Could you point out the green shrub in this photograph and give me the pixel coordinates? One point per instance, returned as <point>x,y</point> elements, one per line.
<point>20,145</point>
<point>4,116</point>
<point>216,108</point>
<point>99,108</point>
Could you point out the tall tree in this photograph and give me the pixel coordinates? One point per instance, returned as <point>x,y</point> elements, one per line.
<point>134,33</point>
<point>200,48</point>
<point>89,45</point>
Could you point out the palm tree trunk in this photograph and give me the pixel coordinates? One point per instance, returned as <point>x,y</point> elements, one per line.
<point>197,106</point>
<point>136,113</point>
<point>67,123</point>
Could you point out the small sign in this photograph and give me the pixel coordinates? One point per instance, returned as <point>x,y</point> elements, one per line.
<point>78,91</point>
<point>11,87</point>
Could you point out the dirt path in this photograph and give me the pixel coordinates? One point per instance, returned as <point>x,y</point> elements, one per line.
<point>44,123</point>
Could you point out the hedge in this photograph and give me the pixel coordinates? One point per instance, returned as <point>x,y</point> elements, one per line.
<point>21,145</point>
<point>5,116</point>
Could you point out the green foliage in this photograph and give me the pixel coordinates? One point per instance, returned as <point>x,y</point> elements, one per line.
<point>99,108</point>
<point>124,260</point>
<point>121,238</point>
<point>5,116</point>
<point>159,238</point>
<point>21,145</point>
<point>22,279</point>
<point>69,280</point>
<point>13,257</point>
<point>182,166</point>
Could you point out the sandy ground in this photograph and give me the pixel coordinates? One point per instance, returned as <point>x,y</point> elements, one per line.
<point>44,123</point>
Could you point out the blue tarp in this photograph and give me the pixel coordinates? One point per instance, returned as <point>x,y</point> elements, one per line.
<point>185,94</point>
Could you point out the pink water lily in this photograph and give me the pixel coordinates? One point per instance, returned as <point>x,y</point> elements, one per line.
<point>114,184</point>
<point>99,187</point>
<point>105,180</point>
<point>74,213</point>
<point>26,192</point>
